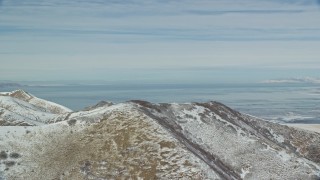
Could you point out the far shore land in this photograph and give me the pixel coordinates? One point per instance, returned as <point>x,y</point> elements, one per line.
<point>310,127</point>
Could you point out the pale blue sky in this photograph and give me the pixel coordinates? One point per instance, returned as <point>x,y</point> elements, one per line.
<point>159,40</point>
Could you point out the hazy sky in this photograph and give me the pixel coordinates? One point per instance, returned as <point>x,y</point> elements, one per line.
<point>163,39</point>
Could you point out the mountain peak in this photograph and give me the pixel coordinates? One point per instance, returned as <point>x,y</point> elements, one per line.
<point>99,104</point>
<point>21,94</point>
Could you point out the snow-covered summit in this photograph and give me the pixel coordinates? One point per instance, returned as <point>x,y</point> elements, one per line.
<point>21,108</point>
<point>40,103</point>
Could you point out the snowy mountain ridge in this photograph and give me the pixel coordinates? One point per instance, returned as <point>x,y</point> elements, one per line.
<point>21,108</point>
<point>143,140</point>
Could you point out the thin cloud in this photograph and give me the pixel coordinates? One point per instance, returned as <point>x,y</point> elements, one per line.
<point>311,80</point>
<point>219,12</point>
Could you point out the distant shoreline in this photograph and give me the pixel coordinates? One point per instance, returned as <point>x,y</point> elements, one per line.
<point>283,104</point>
<point>310,127</point>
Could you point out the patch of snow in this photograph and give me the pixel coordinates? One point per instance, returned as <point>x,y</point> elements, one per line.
<point>194,113</point>
<point>98,113</point>
<point>16,109</point>
<point>277,137</point>
<point>239,130</point>
<point>49,105</point>
<point>5,93</point>
<point>310,164</point>
<point>284,155</point>
<point>244,172</point>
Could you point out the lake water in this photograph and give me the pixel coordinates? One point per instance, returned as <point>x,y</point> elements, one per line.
<point>298,103</point>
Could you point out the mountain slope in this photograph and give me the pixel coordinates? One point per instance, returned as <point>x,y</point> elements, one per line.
<point>237,142</point>
<point>138,139</point>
